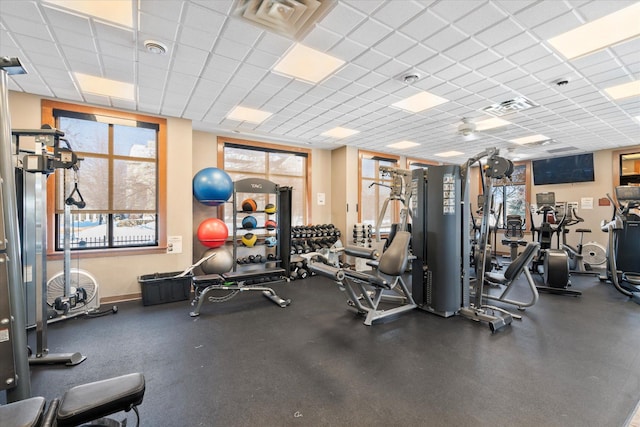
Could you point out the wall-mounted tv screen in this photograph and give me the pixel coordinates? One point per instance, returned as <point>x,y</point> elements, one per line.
<point>562,170</point>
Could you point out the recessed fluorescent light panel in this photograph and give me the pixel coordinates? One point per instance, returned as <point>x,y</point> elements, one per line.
<point>403,145</point>
<point>105,87</point>
<point>420,102</point>
<point>492,123</point>
<point>339,132</point>
<point>245,114</point>
<point>599,34</point>
<point>307,64</point>
<point>529,139</point>
<point>624,90</point>
<point>449,154</point>
<point>117,11</point>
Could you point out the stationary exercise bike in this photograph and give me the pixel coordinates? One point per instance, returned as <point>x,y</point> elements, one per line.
<point>577,264</point>
<point>554,263</point>
<point>623,250</point>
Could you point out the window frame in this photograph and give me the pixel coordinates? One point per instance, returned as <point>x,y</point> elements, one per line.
<point>527,185</point>
<point>369,155</point>
<point>269,147</point>
<point>47,107</point>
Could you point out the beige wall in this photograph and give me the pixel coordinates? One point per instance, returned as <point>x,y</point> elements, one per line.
<point>117,276</point>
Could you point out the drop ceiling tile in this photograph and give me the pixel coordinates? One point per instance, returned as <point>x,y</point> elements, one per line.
<point>274,44</point>
<point>444,39</point>
<point>464,50</point>
<point>151,77</point>
<point>231,49</point>
<point>20,9</point>
<point>515,44</point>
<point>343,18</point>
<point>561,24</point>
<point>189,60</point>
<point>481,59</point>
<point>115,35</point>
<point>158,27</point>
<point>479,19</point>
<point>541,12</point>
<point>166,9</point>
<point>347,50</point>
<point>196,38</point>
<point>529,54</point>
<point>371,59</point>
<point>437,63</point>
<point>27,28</point>
<point>423,26</point>
<point>392,68</point>
<point>594,58</point>
<point>73,39</point>
<point>369,33</point>
<point>393,15</point>
<point>321,39</point>
<point>450,73</point>
<point>597,9</point>
<point>372,79</point>
<point>394,45</point>
<point>416,54</point>
<point>496,68</point>
<point>542,64</point>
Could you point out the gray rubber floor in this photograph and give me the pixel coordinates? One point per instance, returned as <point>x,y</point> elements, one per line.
<point>247,362</point>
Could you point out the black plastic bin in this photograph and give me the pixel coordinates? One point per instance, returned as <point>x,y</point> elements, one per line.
<point>161,288</point>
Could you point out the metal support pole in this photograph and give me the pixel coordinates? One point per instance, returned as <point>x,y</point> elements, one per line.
<point>22,389</point>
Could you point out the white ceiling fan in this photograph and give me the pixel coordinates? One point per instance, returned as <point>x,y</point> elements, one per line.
<point>467,129</point>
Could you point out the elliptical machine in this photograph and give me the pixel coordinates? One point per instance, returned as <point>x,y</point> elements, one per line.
<point>623,250</point>
<point>554,263</point>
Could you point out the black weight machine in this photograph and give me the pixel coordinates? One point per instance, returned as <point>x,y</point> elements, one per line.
<point>440,240</point>
<point>552,263</point>
<point>623,249</point>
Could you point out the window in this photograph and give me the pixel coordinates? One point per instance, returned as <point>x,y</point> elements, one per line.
<point>120,179</point>
<point>286,166</point>
<point>419,164</point>
<point>510,196</point>
<point>630,169</point>
<point>375,188</point>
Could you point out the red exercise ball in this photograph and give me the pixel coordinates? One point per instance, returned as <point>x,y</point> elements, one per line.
<point>212,232</point>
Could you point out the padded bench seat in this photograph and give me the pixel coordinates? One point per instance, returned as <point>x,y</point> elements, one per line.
<point>244,275</point>
<point>99,399</point>
<point>207,279</point>
<point>371,278</point>
<point>23,413</point>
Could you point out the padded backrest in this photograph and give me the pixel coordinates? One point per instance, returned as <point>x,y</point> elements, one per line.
<point>516,267</point>
<point>393,261</point>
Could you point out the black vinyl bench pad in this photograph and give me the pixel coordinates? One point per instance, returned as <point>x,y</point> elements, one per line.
<point>98,399</point>
<point>23,413</point>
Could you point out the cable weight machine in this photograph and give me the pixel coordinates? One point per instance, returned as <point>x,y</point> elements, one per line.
<point>33,164</point>
<point>440,237</point>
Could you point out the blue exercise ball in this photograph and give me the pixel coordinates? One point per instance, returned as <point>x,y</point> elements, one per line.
<point>212,186</point>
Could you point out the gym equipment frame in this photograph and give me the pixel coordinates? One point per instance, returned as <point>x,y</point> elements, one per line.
<point>623,261</point>
<point>440,240</point>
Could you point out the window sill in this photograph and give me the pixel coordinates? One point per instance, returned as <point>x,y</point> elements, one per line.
<point>104,253</point>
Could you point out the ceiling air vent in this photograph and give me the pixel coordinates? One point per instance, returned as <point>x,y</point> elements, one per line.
<point>561,149</point>
<point>511,106</point>
<point>291,18</point>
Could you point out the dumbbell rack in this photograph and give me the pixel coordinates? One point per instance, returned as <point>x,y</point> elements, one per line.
<point>266,192</point>
<point>306,239</point>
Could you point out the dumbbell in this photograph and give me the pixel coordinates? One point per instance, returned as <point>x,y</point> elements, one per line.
<point>271,257</point>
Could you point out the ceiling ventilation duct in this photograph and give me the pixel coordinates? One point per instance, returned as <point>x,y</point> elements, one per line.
<point>290,18</point>
<point>519,103</point>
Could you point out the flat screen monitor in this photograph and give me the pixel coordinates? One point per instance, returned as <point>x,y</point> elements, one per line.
<point>562,170</point>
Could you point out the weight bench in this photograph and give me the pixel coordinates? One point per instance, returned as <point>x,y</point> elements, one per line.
<point>235,282</point>
<point>87,405</point>
<point>367,290</point>
<point>518,266</point>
